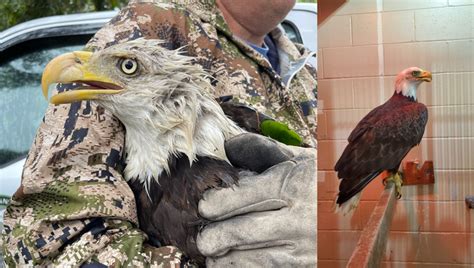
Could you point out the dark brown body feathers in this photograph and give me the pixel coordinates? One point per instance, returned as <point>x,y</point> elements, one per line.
<point>171,216</point>
<point>379,142</point>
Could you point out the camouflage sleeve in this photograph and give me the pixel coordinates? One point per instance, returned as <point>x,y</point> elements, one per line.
<point>73,206</point>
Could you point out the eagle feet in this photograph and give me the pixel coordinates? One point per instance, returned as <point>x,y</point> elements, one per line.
<point>397,179</point>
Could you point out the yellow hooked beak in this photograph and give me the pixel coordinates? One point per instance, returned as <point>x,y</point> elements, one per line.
<point>425,76</point>
<point>74,67</point>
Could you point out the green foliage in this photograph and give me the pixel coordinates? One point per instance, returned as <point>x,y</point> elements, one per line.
<point>307,1</point>
<point>15,11</point>
<point>280,132</point>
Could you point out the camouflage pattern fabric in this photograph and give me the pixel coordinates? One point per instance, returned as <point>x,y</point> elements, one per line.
<point>74,207</point>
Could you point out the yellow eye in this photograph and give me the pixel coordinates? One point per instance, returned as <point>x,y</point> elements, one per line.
<point>415,73</point>
<point>129,66</point>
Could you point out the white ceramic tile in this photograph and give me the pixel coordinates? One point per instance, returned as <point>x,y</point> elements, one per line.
<point>430,216</point>
<point>470,246</point>
<point>461,2</point>
<point>428,247</point>
<point>450,185</point>
<point>461,55</point>
<point>340,123</point>
<point>331,263</point>
<point>335,32</point>
<point>329,152</point>
<point>338,245</point>
<point>322,127</point>
<point>450,121</point>
<point>398,27</point>
<point>405,264</point>
<point>368,92</point>
<point>448,153</point>
<point>351,62</point>
<point>320,64</point>
<point>335,93</point>
<point>390,5</point>
<point>328,185</point>
<point>329,220</point>
<point>444,23</point>
<point>448,89</point>
<point>431,56</point>
<point>364,29</point>
<point>389,87</point>
<point>358,6</point>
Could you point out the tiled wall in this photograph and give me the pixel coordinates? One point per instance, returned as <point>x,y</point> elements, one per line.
<point>361,49</point>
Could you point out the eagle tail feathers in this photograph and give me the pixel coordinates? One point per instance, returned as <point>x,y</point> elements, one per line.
<point>348,206</point>
<point>350,191</point>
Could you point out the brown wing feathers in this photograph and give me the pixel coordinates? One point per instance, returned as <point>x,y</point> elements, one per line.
<point>379,142</point>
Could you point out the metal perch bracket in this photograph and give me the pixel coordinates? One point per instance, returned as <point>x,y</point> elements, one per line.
<point>412,174</point>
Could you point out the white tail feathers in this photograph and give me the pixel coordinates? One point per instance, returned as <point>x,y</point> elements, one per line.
<point>348,206</point>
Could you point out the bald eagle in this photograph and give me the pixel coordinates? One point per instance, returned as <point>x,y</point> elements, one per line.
<point>382,139</point>
<point>175,130</point>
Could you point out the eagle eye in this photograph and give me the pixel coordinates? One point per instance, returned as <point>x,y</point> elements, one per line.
<point>129,66</point>
<point>415,73</point>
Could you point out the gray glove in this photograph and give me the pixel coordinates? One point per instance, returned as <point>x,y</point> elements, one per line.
<point>269,219</point>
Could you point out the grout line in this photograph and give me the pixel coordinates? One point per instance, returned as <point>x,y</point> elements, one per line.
<point>404,10</point>
<point>394,75</point>
<point>369,108</point>
<point>380,51</point>
<point>351,31</point>
<point>400,232</point>
<point>431,201</point>
<point>438,170</point>
<point>406,42</point>
<point>431,232</point>
<point>436,264</point>
<point>349,231</point>
<point>424,138</point>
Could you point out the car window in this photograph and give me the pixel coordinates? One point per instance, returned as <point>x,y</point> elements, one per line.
<point>292,32</point>
<point>22,104</point>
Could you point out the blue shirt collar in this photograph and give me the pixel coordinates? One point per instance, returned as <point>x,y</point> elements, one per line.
<point>262,50</point>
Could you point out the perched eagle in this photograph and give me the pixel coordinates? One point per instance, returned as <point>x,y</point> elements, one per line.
<point>175,130</point>
<point>382,139</point>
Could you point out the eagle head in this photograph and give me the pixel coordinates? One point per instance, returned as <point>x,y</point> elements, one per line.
<point>408,80</point>
<point>159,95</point>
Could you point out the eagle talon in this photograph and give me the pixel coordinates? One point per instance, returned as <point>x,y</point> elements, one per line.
<point>398,180</point>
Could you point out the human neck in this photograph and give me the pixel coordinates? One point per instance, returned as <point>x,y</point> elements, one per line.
<point>240,30</point>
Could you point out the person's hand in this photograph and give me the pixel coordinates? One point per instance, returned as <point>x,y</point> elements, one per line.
<point>268,219</point>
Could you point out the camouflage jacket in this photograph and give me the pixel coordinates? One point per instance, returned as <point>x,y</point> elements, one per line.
<point>74,207</point>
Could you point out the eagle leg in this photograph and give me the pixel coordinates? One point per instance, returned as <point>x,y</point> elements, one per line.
<point>397,179</point>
